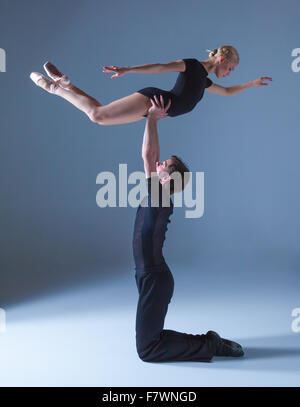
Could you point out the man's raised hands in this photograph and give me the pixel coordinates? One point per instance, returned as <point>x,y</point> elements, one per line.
<point>158,110</point>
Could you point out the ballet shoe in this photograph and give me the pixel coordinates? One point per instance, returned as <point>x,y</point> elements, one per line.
<point>43,82</point>
<point>62,80</point>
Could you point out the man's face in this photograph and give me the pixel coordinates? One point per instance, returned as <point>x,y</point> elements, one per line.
<point>162,167</point>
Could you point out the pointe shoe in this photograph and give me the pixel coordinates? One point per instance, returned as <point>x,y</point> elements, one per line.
<point>43,82</point>
<point>62,80</point>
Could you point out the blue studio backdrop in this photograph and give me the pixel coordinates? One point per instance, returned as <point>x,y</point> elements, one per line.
<point>54,236</point>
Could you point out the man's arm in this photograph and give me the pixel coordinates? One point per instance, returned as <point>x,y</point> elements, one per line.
<point>150,148</point>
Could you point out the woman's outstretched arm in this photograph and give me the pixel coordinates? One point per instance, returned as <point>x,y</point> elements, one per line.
<point>233,90</point>
<point>176,66</point>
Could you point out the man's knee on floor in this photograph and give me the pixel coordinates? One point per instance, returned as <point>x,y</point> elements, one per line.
<point>145,357</point>
<point>144,353</point>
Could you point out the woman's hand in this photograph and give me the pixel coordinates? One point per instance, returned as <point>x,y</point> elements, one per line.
<point>118,71</point>
<point>260,81</point>
<point>157,110</point>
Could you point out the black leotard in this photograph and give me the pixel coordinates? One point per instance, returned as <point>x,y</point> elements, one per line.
<point>150,228</point>
<point>188,89</point>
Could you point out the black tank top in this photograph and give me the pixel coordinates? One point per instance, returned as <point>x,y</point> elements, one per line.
<point>150,228</point>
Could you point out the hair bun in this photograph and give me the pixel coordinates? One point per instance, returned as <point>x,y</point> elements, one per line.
<point>227,50</point>
<point>212,52</point>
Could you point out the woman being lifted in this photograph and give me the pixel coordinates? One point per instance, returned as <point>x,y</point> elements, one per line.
<point>188,90</point>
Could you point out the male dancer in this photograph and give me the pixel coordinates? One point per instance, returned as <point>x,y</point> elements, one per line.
<point>154,279</point>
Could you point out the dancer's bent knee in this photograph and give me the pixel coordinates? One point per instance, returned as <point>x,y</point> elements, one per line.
<point>145,355</point>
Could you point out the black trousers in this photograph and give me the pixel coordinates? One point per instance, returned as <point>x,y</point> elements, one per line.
<point>153,343</point>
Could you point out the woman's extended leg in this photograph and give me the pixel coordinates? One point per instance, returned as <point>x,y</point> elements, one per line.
<point>125,110</point>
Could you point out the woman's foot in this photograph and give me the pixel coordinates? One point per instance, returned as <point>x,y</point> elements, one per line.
<point>43,82</point>
<point>62,80</point>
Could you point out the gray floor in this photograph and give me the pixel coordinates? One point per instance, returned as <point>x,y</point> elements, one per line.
<point>84,336</point>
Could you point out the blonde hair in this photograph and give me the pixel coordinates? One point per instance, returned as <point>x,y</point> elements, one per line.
<point>228,51</point>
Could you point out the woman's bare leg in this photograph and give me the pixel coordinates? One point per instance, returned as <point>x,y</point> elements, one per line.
<point>125,110</point>
<point>78,98</point>
<point>128,109</point>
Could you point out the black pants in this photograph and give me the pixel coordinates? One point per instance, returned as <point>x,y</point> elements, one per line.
<point>153,343</point>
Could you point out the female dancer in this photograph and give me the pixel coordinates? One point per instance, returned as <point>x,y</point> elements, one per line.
<point>187,92</point>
